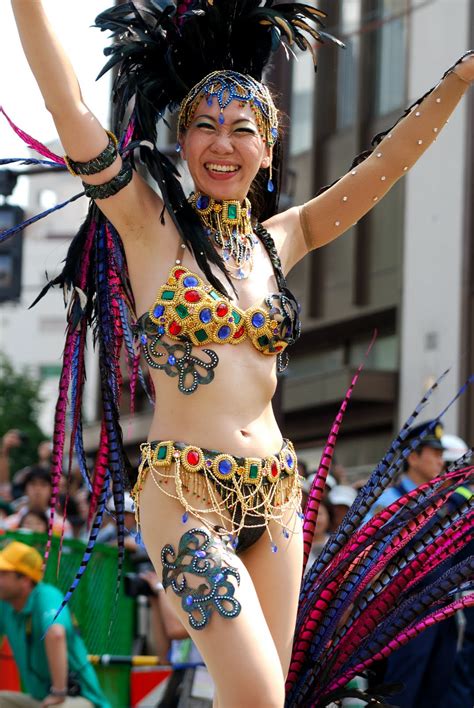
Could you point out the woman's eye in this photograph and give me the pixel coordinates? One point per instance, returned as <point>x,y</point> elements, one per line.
<point>251,131</point>
<point>208,126</point>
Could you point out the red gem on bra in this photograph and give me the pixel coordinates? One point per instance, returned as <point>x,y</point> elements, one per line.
<point>175,328</point>
<point>239,333</point>
<point>192,296</point>
<point>222,310</point>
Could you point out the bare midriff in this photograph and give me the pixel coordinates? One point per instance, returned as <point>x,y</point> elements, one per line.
<point>232,414</point>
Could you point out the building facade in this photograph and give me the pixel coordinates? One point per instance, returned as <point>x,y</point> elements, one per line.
<point>403,270</point>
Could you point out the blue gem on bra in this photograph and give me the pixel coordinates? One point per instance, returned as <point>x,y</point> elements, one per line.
<point>205,316</point>
<point>258,320</point>
<point>190,282</point>
<point>224,332</point>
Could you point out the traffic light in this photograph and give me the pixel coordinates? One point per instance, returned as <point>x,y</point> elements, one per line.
<point>12,249</point>
<point>10,254</point>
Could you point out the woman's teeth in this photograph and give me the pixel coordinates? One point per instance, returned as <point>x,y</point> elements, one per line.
<point>222,168</point>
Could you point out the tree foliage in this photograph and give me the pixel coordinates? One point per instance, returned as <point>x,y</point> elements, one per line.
<point>20,402</point>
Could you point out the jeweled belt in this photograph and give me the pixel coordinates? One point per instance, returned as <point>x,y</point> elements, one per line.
<point>250,470</point>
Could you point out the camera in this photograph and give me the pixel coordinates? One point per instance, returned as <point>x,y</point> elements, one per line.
<point>135,585</point>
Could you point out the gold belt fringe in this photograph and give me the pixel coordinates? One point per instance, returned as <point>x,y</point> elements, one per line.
<point>248,492</point>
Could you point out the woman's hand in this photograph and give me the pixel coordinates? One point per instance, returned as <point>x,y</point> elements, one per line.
<point>153,581</point>
<point>53,701</point>
<point>465,69</point>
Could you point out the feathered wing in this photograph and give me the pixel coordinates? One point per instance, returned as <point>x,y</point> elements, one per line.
<point>370,591</point>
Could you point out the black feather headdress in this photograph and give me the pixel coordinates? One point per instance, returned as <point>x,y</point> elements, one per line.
<point>160,54</point>
<point>160,51</point>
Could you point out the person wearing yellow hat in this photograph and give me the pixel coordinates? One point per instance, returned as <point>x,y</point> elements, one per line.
<point>51,658</point>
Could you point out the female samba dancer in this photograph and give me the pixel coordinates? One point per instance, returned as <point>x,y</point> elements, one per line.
<point>227,521</point>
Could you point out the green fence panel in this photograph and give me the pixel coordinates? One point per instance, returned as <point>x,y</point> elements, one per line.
<point>106,623</point>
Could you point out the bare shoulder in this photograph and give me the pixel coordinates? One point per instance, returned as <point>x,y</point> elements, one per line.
<point>285,229</point>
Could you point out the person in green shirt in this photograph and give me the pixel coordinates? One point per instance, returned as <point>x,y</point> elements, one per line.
<point>51,658</point>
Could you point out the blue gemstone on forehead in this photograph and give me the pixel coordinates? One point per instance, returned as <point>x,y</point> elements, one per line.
<point>221,119</point>
<point>224,467</point>
<point>224,332</point>
<point>190,282</point>
<point>258,320</point>
<point>171,360</point>
<point>202,202</point>
<point>205,316</point>
<point>158,311</point>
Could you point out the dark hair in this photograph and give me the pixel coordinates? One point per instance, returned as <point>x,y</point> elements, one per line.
<point>38,514</point>
<point>37,472</point>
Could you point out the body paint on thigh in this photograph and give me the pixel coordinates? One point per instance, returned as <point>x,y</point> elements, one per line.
<point>202,557</point>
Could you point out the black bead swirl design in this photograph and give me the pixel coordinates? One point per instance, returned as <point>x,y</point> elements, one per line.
<point>201,556</point>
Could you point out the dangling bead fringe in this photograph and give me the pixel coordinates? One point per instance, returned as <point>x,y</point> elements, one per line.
<point>270,185</point>
<point>233,501</point>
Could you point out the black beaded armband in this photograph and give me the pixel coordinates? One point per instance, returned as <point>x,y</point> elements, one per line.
<point>113,186</point>
<point>99,163</point>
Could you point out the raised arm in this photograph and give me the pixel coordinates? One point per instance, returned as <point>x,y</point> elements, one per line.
<point>336,209</point>
<point>81,134</point>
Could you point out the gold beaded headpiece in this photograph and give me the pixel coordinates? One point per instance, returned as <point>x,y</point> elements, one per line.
<point>228,86</point>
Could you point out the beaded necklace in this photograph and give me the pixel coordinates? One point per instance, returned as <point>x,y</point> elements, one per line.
<point>229,224</point>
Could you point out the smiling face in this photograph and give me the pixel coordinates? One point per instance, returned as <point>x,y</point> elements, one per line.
<point>224,159</point>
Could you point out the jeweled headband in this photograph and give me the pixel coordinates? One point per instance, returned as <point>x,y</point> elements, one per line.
<point>228,86</point>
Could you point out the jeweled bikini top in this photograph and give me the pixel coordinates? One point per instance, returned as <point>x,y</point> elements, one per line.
<point>192,312</point>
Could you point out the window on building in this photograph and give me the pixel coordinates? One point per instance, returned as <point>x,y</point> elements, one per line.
<point>302,104</point>
<point>348,63</point>
<point>391,55</point>
<point>321,362</point>
<point>384,355</point>
<point>47,198</point>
